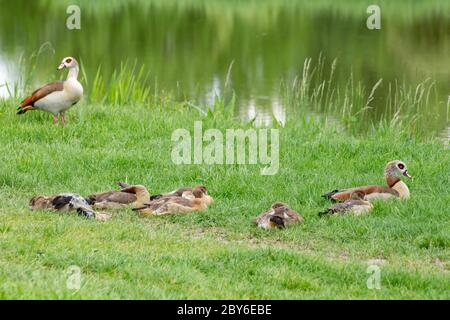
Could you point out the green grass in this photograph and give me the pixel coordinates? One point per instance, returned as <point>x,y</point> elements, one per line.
<point>217,253</point>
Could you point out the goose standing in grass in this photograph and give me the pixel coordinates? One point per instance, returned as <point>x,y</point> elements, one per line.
<point>396,188</point>
<point>167,204</point>
<point>67,202</point>
<point>278,216</point>
<point>355,205</point>
<point>56,97</point>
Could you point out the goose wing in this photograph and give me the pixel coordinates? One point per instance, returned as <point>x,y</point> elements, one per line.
<point>345,194</point>
<point>113,196</point>
<point>142,194</point>
<point>28,102</point>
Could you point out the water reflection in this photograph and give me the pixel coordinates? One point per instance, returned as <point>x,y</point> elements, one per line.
<point>8,77</point>
<point>197,50</point>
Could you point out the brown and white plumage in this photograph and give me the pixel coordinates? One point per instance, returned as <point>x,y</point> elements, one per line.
<point>58,96</point>
<point>186,193</point>
<point>395,188</point>
<point>355,205</point>
<point>167,204</point>
<point>66,202</point>
<point>114,199</point>
<point>279,215</point>
<point>117,199</point>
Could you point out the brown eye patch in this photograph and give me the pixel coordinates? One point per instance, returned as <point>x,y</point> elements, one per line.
<point>68,60</point>
<point>401,166</point>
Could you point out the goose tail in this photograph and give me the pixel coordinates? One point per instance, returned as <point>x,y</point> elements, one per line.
<point>324,213</point>
<point>329,195</point>
<point>22,110</point>
<point>123,185</point>
<point>86,213</point>
<point>138,208</point>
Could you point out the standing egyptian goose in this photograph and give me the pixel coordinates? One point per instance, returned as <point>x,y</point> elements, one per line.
<point>56,97</point>
<point>355,205</point>
<point>66,202</point>
<point>278,216</point>
<point>396,188</point>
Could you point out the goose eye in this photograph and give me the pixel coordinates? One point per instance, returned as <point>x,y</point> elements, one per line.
<point>401,166</point>
<point>68,60</point>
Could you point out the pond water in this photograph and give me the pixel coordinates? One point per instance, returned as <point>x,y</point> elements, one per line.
<point>197,49</point>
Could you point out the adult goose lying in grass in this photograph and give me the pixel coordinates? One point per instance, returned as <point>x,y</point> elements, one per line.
<point>278,216</point>
<point>396,188</point>
<point>167,204</point>
<point>67,202</point>
<point>114,199</point>
<point>355,205</point>
<point>56,97</point>
<point>186,193</point>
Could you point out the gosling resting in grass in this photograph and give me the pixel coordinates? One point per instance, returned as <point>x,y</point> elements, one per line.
<point>56,97</point>
<point>396,188</point>
<point>355,205</point>
<point>67,202</point>
<point>278,216</point>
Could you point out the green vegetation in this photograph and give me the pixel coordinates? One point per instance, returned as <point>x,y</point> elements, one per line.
<point>217,253</point>
<point>185,49</point>
<point>150,67</point>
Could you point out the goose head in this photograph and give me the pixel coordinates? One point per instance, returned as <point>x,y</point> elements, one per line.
<point>69,63</point>
<point>281,216</point>
<point>281,212</point>
<point>40,202</point>
<point>201,192</point>
<point>397,168</point>
<point>280,207</point>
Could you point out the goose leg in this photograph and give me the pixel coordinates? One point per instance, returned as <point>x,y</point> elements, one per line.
<point>63,119</point>
<point>55,120</point>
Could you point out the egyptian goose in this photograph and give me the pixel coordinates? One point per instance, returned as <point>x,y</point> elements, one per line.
<point>355,205</point>
<point>66,202</point>
<point>186,193</point>
<point>396,188</point>
<point>114,199</point>
<point>167,204</point>
<point>278,216</point>
<point>58,96</point>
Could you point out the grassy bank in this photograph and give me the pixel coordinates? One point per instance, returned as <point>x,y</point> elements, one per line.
<point>218,253</point>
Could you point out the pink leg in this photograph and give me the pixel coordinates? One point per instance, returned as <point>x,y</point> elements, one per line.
<point>63,119</point>
<point>55,119</point>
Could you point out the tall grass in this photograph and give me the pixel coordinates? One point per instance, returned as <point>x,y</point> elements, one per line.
<point>216,254</point>
<point>406,106</point>
<point>128,85</point>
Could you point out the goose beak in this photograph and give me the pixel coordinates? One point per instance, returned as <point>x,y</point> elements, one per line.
<point>406,174</point>
<point>61,66</point>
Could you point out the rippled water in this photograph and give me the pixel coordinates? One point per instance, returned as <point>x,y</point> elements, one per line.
<point>195,50</point>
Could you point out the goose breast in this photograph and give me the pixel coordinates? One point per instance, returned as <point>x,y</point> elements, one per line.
<point>60,101</point>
